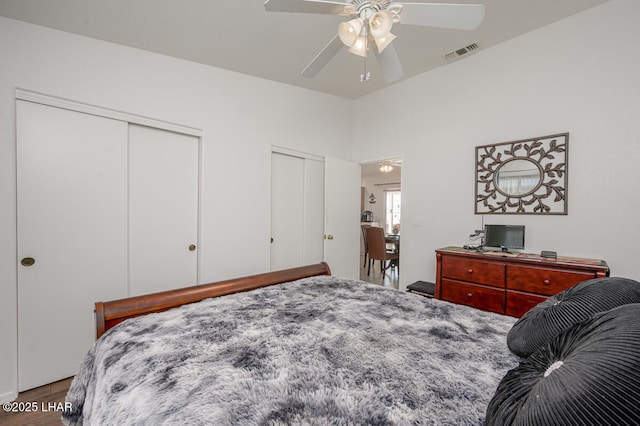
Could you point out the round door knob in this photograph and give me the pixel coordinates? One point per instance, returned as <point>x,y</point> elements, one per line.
<point>192,247</point>
<point>329,237</point>
<point>28,261</point>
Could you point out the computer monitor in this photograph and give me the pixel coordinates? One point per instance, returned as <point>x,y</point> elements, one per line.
<point>504,236</point>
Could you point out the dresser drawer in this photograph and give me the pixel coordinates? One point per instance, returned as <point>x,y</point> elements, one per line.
<point>475,271</point>
<point>545,281</point>
<point>518,304</point>
<point>482,297</point>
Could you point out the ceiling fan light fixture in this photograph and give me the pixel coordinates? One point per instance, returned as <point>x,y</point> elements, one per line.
<point>386,168</point>
<point>349,31</point>
<point>359,47</point>
<point>385,41</point>
<point>380,24</point>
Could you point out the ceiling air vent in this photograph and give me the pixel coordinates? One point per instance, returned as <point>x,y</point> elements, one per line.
<point>460,52</point>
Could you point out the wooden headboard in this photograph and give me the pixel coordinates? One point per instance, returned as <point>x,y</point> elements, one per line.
<point>114,312</point>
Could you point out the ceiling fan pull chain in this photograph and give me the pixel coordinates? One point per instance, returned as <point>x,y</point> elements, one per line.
<point>365,76</point>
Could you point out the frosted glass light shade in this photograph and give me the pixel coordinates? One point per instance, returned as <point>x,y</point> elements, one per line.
<point>380,24</point>
<point>383,42</point>
<point>359,47</point>
<point>349,31</point>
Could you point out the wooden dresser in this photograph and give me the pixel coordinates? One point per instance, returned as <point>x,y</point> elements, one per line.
<point>507,284</point>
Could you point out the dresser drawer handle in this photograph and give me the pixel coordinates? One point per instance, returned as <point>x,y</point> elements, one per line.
<point>469,271</point>
<point>546,282</point>
<point>469,295</point>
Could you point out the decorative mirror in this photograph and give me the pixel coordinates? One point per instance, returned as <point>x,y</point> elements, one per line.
<point>528,176</point>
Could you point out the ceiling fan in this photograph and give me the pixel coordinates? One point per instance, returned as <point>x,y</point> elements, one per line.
<point>369,23</point>
<point>388,165</point>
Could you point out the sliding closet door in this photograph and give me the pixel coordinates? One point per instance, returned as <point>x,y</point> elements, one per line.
<point>72,234</point>
<point>163,210</point>
<point>313,211</point>
<point>287,211</point>
<point>297,211</point>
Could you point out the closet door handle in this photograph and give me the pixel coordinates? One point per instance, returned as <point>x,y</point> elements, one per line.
<point>27,261</point>
<point>192,247</point>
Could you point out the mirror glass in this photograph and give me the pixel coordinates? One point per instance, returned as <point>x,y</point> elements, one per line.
<point>518,177</point>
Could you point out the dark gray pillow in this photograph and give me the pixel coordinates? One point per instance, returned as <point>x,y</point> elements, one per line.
<point>545,321</point>
<point>588,375</point>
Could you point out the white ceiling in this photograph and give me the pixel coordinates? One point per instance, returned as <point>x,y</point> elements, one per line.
<point>239,35</point>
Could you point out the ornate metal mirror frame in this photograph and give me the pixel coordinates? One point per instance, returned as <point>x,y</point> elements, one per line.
<point>527,176</point>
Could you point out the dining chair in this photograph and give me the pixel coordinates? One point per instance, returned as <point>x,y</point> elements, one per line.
<point>378,250</point>
<point>366,246</point>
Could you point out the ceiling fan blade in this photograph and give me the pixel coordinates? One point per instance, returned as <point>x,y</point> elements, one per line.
<point>323,57</point>
<point>305,6</point>
<point>442,15</point>
<point>390,65</point>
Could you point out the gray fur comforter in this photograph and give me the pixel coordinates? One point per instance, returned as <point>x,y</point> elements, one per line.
<point>318,351</point>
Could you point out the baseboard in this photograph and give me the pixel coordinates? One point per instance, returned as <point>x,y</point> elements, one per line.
<point>8,397</point>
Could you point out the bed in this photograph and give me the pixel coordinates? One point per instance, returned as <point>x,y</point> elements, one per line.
<point>290,347</point>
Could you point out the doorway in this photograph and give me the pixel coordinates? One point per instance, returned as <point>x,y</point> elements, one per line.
<point>381,206</point>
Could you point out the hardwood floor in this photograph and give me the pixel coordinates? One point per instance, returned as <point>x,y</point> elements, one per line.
<point>45,402</point>
<point>375,277</point>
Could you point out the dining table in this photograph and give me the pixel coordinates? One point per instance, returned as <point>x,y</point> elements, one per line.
<point>393,239</point>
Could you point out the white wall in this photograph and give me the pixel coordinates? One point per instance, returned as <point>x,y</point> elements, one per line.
<point>578,75</point>
<point>241,118</point>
